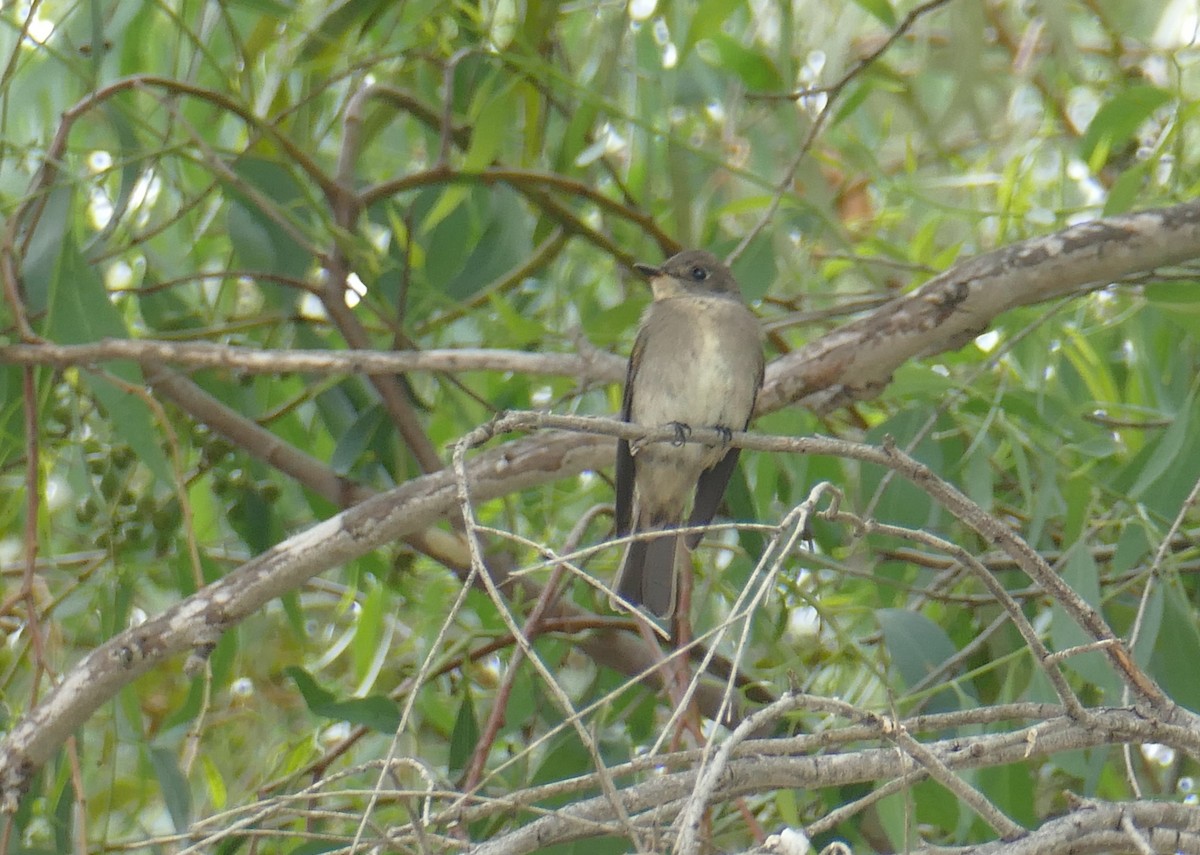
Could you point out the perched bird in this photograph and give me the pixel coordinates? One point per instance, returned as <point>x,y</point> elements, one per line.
<point>697,362</point>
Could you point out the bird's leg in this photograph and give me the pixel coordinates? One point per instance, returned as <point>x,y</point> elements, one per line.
<point>682,432</point>
<point>726,433</point>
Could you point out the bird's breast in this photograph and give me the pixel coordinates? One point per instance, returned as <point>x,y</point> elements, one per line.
<point>699,364</point>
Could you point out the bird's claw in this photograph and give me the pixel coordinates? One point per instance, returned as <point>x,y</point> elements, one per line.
<point>682,432</point>
<point>726,433</point>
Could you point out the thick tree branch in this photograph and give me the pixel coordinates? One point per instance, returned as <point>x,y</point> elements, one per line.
<point>856,361</point>
<point>197,622</point>
<point>1095,826</point>
<point>765,766</point>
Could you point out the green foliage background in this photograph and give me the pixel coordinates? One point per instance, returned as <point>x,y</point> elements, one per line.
<point>512,159</point>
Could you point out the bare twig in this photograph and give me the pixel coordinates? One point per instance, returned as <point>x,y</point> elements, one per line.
<point>591,368</point>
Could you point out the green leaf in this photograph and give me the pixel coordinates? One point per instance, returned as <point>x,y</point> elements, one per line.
<point>537,24</point>
<point>128,155</point>
<point>1012,788</point>
<point>787,806</point>
<point>918,380</point>
<point>131,421</point>
<point>62,818</point>
<point>368,630</point>
<point>566,758</point>
<point>706,21</point>
<point>258,234</point>
<point>894,813</point>
<point>465,737</point>
<point>504,244</point>
<point>1177,648</point>
<point>901,501</point>
<point>855,99</point>
<point>1077,492</point>
<point>231,844</point>
<point>756,269</point>
<point>376,712</point>
<point>1117,121</point>
<point>493,123</point>
<point>354,442</point>
<point>978,478</point>
<point>250,238</point>
<point>273,8</point>
<point>177,796</point>
<point>1082,574</point>
<point>40,264</point>
<point>936,807</point>
<point>224,657</point>
<point>741,506</point>
<point>316,847</point>
<point>1151,624</point>
<point>1133,548</point>
<point>1182,295</point>
<point>1095,368</point>
<point>1166,451</point>
<point>80,312</point>
<point>12,439</point>
<point>754,68</point>
<point>338,24</point>
<point>253,518</point>
<point>880,9</point>
<point>80,309</point>
<point>917,647</point>
<point>189,709</point>
<point>1128,189</point>
<point>448,203</point>
<point>519,329</point>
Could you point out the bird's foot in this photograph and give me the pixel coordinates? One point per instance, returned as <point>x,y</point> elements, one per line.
<point>726,433</point>
<point>682,432</point>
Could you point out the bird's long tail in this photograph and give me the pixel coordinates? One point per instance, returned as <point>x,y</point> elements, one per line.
<point>647,574</point>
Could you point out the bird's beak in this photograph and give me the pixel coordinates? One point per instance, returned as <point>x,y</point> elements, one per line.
<point>662,285</point>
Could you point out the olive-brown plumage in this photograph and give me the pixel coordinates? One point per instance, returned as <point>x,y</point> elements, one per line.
<point>697,362</point>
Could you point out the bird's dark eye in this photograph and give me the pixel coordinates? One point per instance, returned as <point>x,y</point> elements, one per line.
<point>699,273</point>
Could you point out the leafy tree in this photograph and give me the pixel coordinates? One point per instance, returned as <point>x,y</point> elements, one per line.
<point>315,318</point>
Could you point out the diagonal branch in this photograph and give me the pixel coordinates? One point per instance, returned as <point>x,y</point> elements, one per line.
<point>856,361</point>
